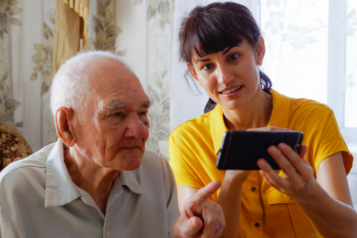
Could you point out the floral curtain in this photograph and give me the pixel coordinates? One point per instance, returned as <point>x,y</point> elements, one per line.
<point>128,28</point>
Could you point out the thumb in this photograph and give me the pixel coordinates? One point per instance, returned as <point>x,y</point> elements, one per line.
<point>194,226</point>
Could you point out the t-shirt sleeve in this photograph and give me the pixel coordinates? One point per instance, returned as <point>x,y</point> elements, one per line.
<point>331,142</point>
<point>182,170</point>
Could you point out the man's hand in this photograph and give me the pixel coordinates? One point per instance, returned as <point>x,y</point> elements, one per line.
<point>200,217</point>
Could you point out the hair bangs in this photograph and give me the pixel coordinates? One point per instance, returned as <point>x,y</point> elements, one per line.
<point>212,38</point>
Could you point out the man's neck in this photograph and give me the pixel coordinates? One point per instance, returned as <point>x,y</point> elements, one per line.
<point>89,176</point>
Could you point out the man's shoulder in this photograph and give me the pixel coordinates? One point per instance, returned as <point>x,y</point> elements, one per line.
<point>36,160</point>
<point>153,165</point>
<point>153,160</point>
<point>20,174</point>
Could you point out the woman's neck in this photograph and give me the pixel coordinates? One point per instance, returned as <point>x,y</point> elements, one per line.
<point>254,114</point>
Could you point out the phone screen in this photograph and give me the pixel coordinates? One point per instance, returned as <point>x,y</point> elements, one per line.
<point>240,150</point>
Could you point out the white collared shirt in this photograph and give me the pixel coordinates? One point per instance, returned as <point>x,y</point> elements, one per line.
<point>38,199</point>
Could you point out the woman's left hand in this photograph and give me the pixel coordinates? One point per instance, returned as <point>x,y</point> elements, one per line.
<point>299,175</point>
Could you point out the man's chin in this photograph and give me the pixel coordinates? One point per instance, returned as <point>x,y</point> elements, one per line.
<point>133,164</point>
<point>130,159</point>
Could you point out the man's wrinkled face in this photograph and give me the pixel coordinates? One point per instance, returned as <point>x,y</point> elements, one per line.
<point>114,127</point>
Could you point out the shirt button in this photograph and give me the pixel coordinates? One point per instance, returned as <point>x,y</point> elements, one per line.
<point>253,189</point>
<point>107,233</point>
<point>257,224</point>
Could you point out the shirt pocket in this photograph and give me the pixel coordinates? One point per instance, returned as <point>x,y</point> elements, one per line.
<point>287,207</point>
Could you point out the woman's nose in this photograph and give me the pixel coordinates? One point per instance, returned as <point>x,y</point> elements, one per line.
<point>224,74</point>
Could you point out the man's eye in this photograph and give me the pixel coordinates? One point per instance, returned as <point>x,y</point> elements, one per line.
<point>207,66</point>
<point>118,114</point>
<point>143,115</point>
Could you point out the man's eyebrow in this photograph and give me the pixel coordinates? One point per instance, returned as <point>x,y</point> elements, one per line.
<point>146,104</point>
<point>115,105</point>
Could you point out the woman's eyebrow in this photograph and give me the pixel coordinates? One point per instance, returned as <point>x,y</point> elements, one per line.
<point>227,50</point>
<point>202,60</point>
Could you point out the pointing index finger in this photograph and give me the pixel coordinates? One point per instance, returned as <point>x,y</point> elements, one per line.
<point>204,193</point>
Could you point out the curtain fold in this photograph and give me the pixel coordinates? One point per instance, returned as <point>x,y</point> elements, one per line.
<point>71,27</point>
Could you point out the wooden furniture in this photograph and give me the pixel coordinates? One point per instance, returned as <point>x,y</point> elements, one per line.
<point>12,146</point>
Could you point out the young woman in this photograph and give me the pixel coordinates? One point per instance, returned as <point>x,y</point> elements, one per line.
<point>309,197</point>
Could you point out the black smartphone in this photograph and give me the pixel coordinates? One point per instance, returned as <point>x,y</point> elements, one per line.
<point>240,150</point>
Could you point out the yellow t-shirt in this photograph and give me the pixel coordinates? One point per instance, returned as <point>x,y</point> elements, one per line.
<point>265,212</point>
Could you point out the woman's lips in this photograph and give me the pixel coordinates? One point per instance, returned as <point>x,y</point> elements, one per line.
<point>231,91</point>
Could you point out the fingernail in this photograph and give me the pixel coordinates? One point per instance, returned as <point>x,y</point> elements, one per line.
<point>261,163</point>
<point>272,150</point>
<point>282,146</point>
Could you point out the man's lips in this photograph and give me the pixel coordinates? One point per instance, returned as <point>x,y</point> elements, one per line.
<point>130,148</point>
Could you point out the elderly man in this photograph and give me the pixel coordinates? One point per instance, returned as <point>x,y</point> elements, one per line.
<point>98,180</point>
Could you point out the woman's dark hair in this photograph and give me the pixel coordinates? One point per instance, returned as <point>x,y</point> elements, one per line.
<point>216,27</point>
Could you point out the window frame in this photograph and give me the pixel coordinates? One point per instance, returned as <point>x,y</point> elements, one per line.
<point>337,67</point>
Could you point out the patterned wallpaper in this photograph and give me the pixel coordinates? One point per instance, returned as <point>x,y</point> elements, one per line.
<point>29,111</point>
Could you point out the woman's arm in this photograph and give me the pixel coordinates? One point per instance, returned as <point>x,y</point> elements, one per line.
<point>326,201</point>
<point>229,198</point>
<point>330,207</point>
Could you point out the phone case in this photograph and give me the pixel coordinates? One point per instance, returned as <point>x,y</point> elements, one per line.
<point>240,150</point>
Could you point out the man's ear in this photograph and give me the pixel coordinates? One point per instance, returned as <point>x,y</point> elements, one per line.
<point>192,71</point>
<point>259,50</point>
<point>64,126</point>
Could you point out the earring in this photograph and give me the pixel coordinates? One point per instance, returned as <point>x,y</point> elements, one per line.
<point>260,63</point>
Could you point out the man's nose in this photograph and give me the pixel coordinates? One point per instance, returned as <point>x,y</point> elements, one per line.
<point>135,127</point>
<point>224,74</point>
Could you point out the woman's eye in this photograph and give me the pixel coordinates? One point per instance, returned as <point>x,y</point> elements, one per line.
<point>207,66</point>
<point>233,57</point>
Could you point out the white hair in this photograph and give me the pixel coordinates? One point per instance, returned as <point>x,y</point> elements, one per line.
<point>71,83</point>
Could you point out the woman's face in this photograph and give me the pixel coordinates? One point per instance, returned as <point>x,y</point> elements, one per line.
<point>230,77</point>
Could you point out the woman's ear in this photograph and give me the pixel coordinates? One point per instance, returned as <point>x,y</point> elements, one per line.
<point>259,50</point>
<point>63,121</point>
<point>192,71</point>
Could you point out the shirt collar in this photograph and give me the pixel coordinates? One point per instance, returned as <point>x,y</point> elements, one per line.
<point>60,188</point>
<point>281,110</point>
<point>279,117</point>
<point>128,179</point>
